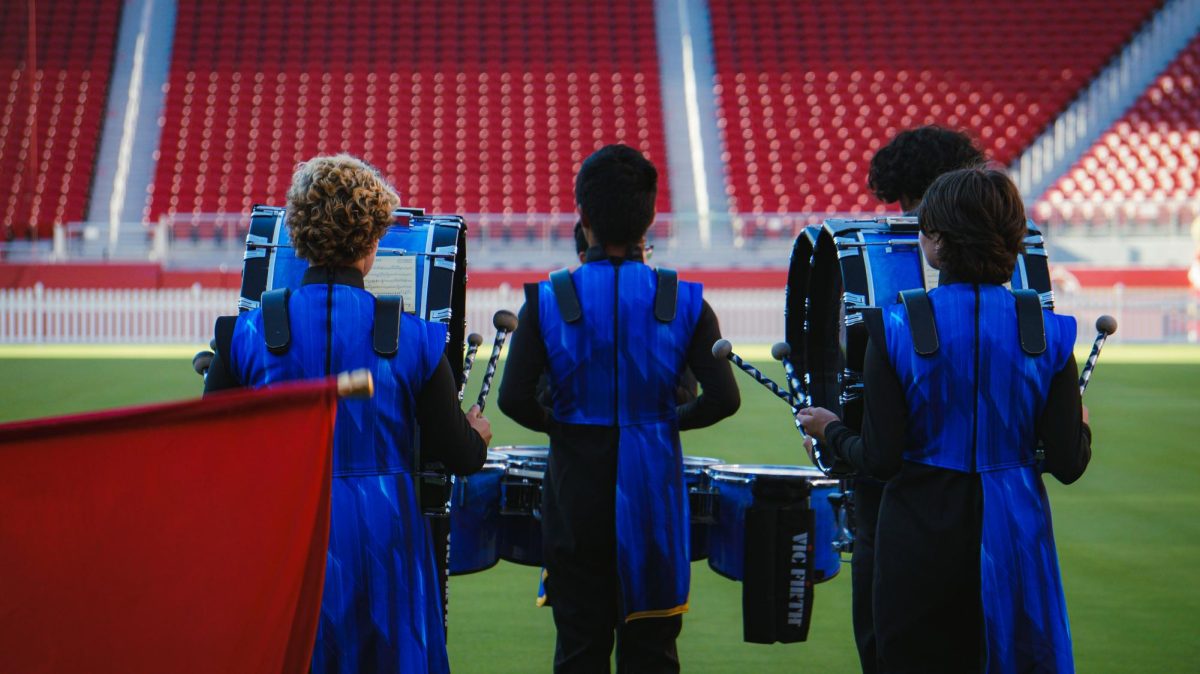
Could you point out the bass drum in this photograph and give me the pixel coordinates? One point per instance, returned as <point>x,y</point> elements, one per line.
<point>860,265</point>
<point>796,298</point>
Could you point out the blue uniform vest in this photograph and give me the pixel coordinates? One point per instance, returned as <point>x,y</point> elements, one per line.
<point>972,407</point>
<point>381,610</point>
<point>617,366</point>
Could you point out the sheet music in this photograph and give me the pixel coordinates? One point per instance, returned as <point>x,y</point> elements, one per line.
<point>394,275</point>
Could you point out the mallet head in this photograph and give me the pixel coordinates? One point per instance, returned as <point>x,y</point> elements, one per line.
<point>1106,324</point>
<point>781,350</point>
<point>474,339</point>
<point>722,348</point>
<point>505,320</point>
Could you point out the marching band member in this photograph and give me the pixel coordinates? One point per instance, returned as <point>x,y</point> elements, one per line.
<point>614,335</point>
<point>900,172</point>
<point>961,385</point>
<point>381,609</point>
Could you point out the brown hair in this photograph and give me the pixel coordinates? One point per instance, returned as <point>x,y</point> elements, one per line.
<point>979,220</point>
<point>338,208</point>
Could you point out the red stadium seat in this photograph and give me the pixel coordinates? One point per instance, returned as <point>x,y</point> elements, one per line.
<point>474,108</point>
<point>67,100</point>
<point>1153,151</point>
<point>807,92</point>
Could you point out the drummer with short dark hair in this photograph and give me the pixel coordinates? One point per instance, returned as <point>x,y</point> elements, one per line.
<point>381,608</point>
<point>900,173</point>
<point>963,384</point>
<point>614,336</point>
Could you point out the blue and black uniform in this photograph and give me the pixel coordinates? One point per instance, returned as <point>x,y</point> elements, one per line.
<point>966,572</point>
<point>615,513</point>
<point>381,609</point>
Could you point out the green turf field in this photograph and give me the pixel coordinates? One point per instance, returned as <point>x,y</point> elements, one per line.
<point>1128,532</point>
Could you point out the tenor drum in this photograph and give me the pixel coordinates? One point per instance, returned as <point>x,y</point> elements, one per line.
<point>737,489</point>
<point>475,517</point>
<point>700,502</point>
<point>521,504</point>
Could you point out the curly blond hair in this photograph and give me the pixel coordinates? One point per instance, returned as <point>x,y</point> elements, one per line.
<point>338,208</point>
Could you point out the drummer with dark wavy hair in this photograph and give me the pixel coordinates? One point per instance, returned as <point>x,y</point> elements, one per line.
<point>962,385</point>
<point>381,609</point>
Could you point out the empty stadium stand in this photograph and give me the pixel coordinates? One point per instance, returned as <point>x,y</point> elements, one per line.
<point>1148,163</point>
<point>457,103</point>
<point>58,122</point>
<point>807,93</point>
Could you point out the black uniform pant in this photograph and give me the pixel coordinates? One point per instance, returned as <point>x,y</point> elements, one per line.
<point>867,493</point>
<point>580,544</point>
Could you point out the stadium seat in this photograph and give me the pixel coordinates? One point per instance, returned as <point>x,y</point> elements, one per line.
<point>1152,152</point>
<point>59,118</point>
<point>455,103</point>
<point>807,92</point>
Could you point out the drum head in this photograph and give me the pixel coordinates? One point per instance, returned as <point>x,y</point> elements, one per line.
<point>796,295</point>
<point>700,461</point>
<point>525,453</point>
<point>742,471</point>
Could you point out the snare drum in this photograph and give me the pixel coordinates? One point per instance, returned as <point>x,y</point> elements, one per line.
<point>700,502</point>
<point>521,504</point>
<point>734,486</point>
<point>475,518</point>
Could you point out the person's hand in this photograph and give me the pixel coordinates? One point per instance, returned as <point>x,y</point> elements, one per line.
<point>480,423</point>
<point>814,420</point>
<point>808,448</point>
<point>1085,415</point>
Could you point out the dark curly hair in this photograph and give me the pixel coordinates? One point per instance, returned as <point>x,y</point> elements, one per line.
<point>338,208</point>
<point>615,190</point>
<point>978,221</point>
<point>904,168</point>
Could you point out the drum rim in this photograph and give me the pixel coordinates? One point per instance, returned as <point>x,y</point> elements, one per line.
<point>703,461</point>
<point>744,470</point>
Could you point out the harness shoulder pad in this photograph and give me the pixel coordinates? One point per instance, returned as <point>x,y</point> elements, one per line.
<point>920,321</point>
<point>1030,325</point>
<point>276,331</point>
<point>564,294</point>
<point>385,337</point>
<point>665,298</point>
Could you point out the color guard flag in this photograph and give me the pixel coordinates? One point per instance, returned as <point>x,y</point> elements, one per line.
<point>185,537</point>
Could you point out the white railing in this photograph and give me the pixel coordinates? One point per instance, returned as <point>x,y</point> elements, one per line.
<point>747,316</point>
<point>1108,96</point>
<point>106,315</point>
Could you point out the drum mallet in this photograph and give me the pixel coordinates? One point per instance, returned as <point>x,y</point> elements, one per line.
<point>1105,326</point>
<point>723,349</point>
<point>505,322</point>
<point>473,342</point>
<point>782,352</point>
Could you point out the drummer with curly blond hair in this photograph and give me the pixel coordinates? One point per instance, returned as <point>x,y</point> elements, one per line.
<point>381,609</point>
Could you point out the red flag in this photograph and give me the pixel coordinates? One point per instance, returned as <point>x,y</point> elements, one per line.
<point>186,537</point>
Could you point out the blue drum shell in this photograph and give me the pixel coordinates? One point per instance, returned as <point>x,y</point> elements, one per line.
<point>521,535</point>
<point>475,519</point>
<point>727,548</point>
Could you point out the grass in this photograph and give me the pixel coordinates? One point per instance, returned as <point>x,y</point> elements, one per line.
<point>1128,537</point>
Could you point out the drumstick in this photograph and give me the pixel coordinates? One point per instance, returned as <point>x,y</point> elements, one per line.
<point>473,342</point>
<point>1105,326</point>
<point>505,322</point>
<point>722,348</point>
<point>782,352</point>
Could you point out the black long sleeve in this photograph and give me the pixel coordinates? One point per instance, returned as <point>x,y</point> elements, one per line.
<point>527,361</point>
<point>445,434</point>
<point>878,450</point>
<point>719,395</point>
<point>1066,439</point>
